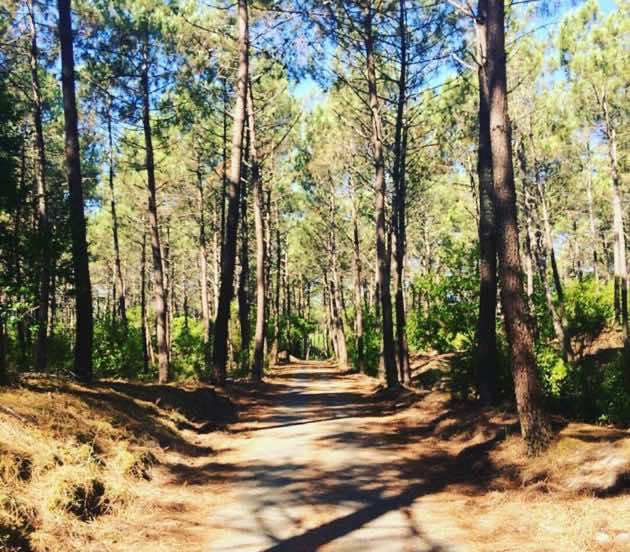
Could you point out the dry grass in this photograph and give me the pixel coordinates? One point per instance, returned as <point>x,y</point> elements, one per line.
<point>70,454</point>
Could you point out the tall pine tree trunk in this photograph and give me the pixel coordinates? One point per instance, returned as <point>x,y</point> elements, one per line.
<point>591,216</point>
<point>118,276</point>
<point>534,425</point>
<point>400,223</point>
<point>486,321</point>
<point>143,301</point>
<point>228,260</point>
<point>43,226</point>
<point>383,275</point>
<point>243,279</point>
<point>358,296</point>
<point>161,319</point>
<point>261,291</point>
<point>80,259</point>
<point>203,264</point>
<point>619,246</point>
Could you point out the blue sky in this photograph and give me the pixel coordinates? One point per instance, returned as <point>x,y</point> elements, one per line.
<point>311,94</point>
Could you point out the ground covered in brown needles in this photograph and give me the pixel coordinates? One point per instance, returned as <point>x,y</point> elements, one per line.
<point>312,459</point>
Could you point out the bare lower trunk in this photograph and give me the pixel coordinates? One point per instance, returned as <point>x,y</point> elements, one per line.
<point>43,226</point>
<point>399,222</point>
<point>534,425</point>
<point>383,276</point>
<point>243,280</point>
<point>80,259</point>
<point>203,266</point>
<point>358,296</point>
<point>486,321</point>
<point>143,301</point>
<point>118,275</point>
<point>261,292</point>
<point>228,260</point>
<point>591,216</point>
<point>158,269</point>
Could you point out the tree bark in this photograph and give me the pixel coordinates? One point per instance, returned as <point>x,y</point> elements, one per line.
<point>203,265</point>
<point>243,279</point>
<point>383,276</point>
<point>161,317</point>
<point>591,216</point>
<point>228,260</point>
<point>619,248</point>
<point>80,259</point>
<point>43,226</point>
<point>143,301</point>
<point>118,278</point>
<point>486,321</point>
<point>261,291</point>
<point>534,425</point>
<point>336,304</point>
<point>358,296</point>
<point>400,223</point>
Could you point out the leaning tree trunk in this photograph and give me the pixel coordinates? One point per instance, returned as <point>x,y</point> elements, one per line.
<point>228,260</point>
<point>383,276</point>
<point>261,291</point>
<point>43,226</point>
<point>118,275</point>
<point>486,320</point>
<point>159,291</point>
<point>83,290</point>
<point>534,424</point>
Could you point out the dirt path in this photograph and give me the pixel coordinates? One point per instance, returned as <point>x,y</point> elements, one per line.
<point>311,473</point>
<point>316,464</point>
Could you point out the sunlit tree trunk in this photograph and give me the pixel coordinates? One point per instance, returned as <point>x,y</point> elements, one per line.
<point>118,275</point>
<point>383,276</point>
<point>261,292</point>
<point>143,301</point>
<point>533,421</point>
<point>228,259</point>
<point>399,208</point>
<point>591,216</point>
<point>358,296</point>
<point>159,290</point>
<point>619,246</point>
<point>80,259</point>
<point>203,264</point>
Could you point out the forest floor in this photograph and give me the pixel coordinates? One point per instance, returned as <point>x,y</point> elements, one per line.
<point>321,460</point>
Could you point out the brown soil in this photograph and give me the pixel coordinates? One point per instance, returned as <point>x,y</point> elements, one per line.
<point>320,460</point>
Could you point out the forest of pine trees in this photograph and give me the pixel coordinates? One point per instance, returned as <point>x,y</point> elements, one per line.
<point>200,190</point>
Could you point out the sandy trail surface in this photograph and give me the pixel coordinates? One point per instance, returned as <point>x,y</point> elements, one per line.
<point>319,461</point>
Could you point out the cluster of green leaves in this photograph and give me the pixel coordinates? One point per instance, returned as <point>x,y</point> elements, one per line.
<point>447,304</point>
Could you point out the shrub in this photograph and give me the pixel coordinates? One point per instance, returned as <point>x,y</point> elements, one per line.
<point>588,310</point>
<point>117,352</point>
<point>445,319</point>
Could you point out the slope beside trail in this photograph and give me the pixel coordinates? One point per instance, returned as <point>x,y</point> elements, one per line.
<point>322,460</point>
